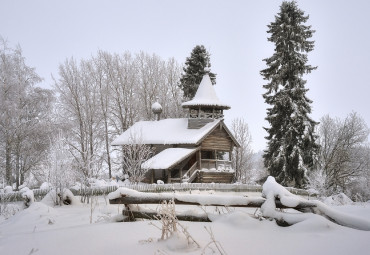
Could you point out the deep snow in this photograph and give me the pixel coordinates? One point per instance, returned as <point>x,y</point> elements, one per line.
<point>42,229</point>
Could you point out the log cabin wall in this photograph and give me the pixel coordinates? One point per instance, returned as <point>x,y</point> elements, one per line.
<point>196,123</point>
<point>161,147</point>
<point>219,140</point>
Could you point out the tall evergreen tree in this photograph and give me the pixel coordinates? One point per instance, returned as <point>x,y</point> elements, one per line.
<point>292,147</point>
<point>195,67</point>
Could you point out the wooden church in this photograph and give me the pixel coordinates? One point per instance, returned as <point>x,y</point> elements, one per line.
<point>193,149</point>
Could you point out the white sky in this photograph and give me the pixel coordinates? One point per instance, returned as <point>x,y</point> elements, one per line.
<point>234,32</point>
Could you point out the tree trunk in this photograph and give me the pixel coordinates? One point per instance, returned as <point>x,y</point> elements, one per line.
<point>17,168</point>
<point>8,166</point>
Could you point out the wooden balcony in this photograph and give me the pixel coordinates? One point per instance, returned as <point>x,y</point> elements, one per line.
<point>219,165</point>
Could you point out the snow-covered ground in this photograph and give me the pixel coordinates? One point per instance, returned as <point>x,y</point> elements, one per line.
<point>44,229</point>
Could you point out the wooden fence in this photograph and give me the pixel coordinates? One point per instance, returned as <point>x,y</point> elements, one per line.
<point>157,188</point>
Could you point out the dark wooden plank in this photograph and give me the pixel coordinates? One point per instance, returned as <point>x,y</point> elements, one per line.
<point>154,216</point>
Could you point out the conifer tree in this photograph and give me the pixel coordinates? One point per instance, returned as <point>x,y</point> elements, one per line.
<point>195,67</point>
<point>292,147</point>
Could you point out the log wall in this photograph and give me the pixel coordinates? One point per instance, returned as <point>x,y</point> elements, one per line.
<point>195,123</point>
<point>219,140</point>
<point>215,177</point>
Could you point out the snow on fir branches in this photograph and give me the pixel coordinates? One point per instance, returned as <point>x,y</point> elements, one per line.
<point>292,147</point>
<point>196,66</point>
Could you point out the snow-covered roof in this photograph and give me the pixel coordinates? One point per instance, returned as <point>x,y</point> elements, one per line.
<point>168,158</point>
<point>166,131</point>
<point>205,96</point>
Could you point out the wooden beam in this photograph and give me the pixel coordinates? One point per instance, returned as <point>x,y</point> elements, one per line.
<point>200,159</point>
<point>243,201</point>
<point>154,216</point>
<point>168,176</point>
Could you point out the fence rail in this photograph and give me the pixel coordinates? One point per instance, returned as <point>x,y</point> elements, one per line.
<point>100,191</point>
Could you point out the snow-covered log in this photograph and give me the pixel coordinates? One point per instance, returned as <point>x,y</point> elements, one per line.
<point>128,196</point>
<point>272,191</point>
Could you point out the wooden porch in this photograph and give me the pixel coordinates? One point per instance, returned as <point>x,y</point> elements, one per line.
<point>213,170</point>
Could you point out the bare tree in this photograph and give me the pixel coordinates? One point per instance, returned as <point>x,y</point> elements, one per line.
<point>79,108</point>
<point>123,80</point>
<point>60,169</point>
<point>134,154</point>
<point>150,75</point>
<point>103,96</point>
<point>170,95</point>
<point>23,114</point>
<point>344,156</point>
<point>31,142</point>
<point>98,71</point>
<point>242,156</point>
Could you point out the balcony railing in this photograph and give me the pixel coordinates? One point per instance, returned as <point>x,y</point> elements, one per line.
<point>223,165</point>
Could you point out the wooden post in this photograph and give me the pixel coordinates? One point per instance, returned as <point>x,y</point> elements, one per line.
<point>216,164</point>
<point>181,174</point>
<point>200,159</point>
<point>169,176</point>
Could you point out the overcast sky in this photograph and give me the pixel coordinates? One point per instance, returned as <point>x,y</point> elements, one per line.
<point>234,32</point>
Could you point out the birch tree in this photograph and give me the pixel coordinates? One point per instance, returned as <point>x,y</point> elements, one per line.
<point>344,155</point>
<point>20,111</point>
<point>79,107</point>
<point>31,143</point>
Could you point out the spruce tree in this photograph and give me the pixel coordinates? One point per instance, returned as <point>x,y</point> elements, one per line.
<point>195,67</point>
<point>292,147</point>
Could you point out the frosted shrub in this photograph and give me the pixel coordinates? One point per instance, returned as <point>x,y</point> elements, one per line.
<point>317,182</point>
<point>171,229</point>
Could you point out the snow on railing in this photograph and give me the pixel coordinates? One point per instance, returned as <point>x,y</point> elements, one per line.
<point>157,188</point>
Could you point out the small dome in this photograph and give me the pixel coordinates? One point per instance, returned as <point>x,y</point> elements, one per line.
<point>156,108</point>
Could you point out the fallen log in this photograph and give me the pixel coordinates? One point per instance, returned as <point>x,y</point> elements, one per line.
<point>132,215</point>
<point>127,197</point>
<point>273,191</point>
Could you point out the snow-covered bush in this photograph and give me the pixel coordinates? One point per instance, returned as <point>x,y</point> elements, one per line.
<point>8,189</point>
<point>55,197</point>
<point>113,183</point>
<point>339,199</point>
<point>359,190</point>
<point>317,182</point>
<point>94,183</point>
<point>45,186</point>
<point>22,186</point>
<point>9,209</point>
<point>28,196</point>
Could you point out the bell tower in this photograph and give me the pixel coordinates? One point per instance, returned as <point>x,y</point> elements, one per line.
<point>205,107</point>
